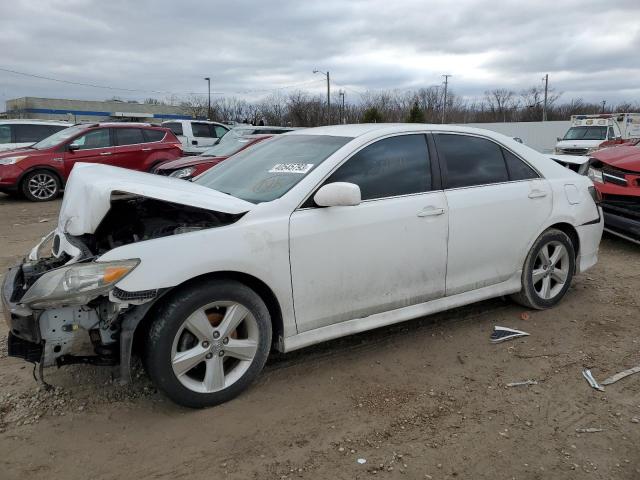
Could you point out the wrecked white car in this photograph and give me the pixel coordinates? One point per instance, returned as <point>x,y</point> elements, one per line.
<point>305,237</point>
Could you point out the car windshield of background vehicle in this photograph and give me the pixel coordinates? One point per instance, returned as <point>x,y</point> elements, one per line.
<point>586,133</point>
<point>59,137</point>
<point>269,169</point>
<point>225,149</point>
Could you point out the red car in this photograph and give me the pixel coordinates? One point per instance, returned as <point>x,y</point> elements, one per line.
<point>40,171</point>
<point>616,174</point>
<point>190,167</point>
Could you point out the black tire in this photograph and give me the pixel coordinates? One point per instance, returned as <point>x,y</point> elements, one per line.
<point>529,296</point>
<point>168,320</point>
<point>155,165</point>
<point>40,186</point>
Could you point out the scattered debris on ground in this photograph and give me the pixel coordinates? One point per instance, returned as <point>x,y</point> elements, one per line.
<point>502,334</point>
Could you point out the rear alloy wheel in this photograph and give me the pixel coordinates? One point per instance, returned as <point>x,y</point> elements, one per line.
<point>40,186</point>
<point>548,270</point>
<point>206,345</point>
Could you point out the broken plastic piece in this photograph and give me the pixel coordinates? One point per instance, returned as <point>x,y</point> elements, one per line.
<point>525,382</point>
<point>592,381</point>
<point>589,430</point>
<point>502,334</point>
<point>362,461</point>
<point>621,375</point>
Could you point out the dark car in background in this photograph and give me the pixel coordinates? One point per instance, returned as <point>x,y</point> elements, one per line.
<point>40,171</point>
<point>190,167</point>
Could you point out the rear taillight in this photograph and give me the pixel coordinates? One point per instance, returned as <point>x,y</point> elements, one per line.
<point>596,195</point>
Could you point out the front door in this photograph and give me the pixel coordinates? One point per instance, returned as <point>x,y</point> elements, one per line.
<point>386,253</point>
<point>93,147</point>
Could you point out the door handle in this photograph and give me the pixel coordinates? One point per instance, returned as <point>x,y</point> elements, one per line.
<point>105,153</point>
<point>537,194</point>
<point>430,212</point>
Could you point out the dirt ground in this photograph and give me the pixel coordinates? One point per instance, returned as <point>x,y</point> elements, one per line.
<point>426,399</point>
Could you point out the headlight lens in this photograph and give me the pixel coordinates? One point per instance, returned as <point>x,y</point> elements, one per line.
<point>183,172</point>
<point>595,175</point>
<point>77,284</point>
<point>12,160</point>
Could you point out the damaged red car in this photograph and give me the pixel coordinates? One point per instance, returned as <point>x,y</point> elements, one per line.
<point>616,174</point>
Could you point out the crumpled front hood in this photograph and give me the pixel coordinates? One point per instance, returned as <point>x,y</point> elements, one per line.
<point>87,196</point>
<point>624,157</point>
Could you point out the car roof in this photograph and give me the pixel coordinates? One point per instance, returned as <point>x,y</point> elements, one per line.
<point>195,120</point>
<point>24,121</point>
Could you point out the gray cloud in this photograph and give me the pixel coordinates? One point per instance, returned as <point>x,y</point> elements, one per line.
<point>588,47</point>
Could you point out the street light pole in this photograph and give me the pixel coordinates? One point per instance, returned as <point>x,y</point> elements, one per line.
<point>208,79</point>
<point>444,104</point>
<point>604,102</point>
<point>546,89</point>
<point>326,74</point>
<point>343,120</point>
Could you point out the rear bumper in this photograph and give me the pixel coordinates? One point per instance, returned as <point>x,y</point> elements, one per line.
<point>589,236</point>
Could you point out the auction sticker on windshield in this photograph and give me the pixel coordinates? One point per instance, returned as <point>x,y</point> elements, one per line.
<point>291,168</point>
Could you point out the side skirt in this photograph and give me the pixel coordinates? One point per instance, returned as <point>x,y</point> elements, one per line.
<point>377,320</point>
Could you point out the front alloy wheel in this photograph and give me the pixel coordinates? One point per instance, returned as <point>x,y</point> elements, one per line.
<point>208,342</point>
<point>40,186</point>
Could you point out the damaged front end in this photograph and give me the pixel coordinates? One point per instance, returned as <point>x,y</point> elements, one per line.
<point>54,299</point>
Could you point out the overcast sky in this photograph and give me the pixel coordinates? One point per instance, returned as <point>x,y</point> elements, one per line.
<point>591,49</point>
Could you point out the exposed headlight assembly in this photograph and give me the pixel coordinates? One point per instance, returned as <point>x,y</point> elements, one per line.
<point>12,160</point>
<point>183,172</point>
<point>76,284</point>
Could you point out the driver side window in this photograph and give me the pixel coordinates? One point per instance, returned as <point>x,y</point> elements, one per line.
<point>388,168</point>
<point>93,139</point>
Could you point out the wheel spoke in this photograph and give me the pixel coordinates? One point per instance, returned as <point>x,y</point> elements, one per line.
<point>546,288</point>
<point>560,275</point>
<point>241,349</point>
<point>198,324</point>
<point>538,275</point>
<point>544,254</point>
<point>557,253</point>
<point>232,318</point>
<point>185,361</point>
<point>214,375</point>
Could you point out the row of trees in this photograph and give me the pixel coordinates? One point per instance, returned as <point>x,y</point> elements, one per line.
<point>303,109</point>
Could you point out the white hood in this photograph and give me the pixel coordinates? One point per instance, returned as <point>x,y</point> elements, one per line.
<point>87,195</point>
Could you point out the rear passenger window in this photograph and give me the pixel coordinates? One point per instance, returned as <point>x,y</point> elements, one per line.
<point>220,131</point>
<point>5,134</point>
<point>471,160</point>
<point>518,170</point>
<point>390,167</point>
<point>128,136</point>
<point>176,128</point>
<point>203,130</point>
<point>153,135</point>
<point>31,133</point>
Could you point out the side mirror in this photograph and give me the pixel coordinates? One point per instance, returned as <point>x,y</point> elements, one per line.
<point>338,194</point>
<point>558,139</point>
<point>72,147</point>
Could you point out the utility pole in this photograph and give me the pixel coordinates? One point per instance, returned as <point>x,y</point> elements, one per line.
<point>546,90</point>
<point>343,120</point>
<point>326,74</point>
<point>444,103</point>
<point>208,79</point>
<point>604,102</point>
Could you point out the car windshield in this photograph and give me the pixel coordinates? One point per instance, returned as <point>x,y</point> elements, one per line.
<point>58,137</point>
<point>586,133</point>
<point>269,169</point>
<point>226,147</point>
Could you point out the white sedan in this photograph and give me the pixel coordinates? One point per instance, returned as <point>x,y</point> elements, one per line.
<point>306,237</point>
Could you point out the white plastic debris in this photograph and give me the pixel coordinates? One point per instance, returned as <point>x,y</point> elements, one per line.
<point>519,384</point>
<point>589,430</point>
<point>502,334</point>
<point>621,375</point>
<point>362,461</point>
<point>592,381</point>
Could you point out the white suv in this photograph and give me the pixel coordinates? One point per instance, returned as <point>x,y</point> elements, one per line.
<point>196,135</point>
<point>23,133</point>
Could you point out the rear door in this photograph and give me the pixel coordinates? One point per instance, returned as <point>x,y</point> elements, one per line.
<point>95,146</point>
<point>130,148</point>
<point>204,134</point>
<point>498,205</point>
